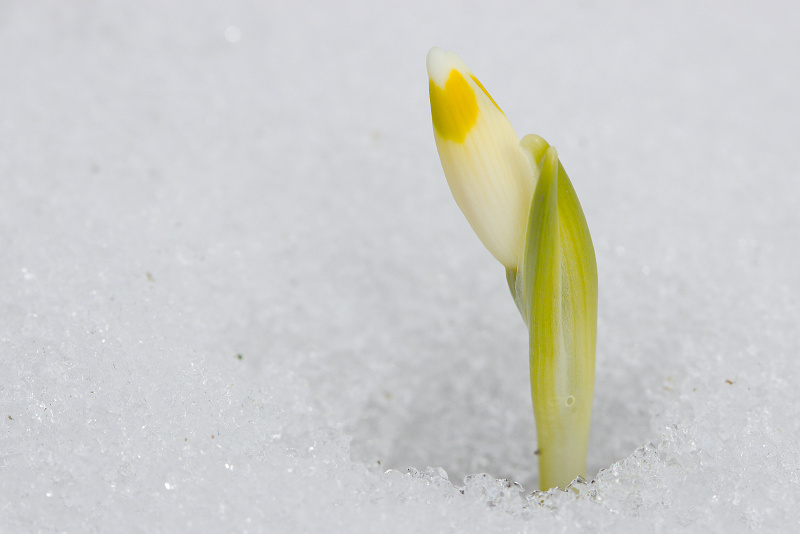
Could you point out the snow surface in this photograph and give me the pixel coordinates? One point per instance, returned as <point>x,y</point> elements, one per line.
<point>237,295</point>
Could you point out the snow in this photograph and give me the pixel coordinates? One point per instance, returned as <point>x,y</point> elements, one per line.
<point>237,295</point>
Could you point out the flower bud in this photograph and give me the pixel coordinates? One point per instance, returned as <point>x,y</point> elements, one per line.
<point>489,174</point>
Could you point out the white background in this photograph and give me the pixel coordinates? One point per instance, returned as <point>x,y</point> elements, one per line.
<point>185,184</point>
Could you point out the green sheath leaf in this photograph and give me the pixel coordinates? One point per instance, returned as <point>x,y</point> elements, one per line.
<point>556,290</point>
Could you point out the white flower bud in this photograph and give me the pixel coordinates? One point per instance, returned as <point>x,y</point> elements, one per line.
<point>489,174</point>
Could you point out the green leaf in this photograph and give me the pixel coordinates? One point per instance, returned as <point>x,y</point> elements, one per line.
<point>556,290</point>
